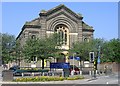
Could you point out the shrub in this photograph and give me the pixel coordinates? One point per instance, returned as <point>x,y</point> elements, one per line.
<point>42,78</point>
<point>75,78</point>
<point>47,78</point>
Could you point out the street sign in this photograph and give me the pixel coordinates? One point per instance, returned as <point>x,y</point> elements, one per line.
<point>75,58</point>
<point>98,60</point>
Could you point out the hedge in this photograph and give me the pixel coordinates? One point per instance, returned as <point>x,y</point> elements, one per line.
<point>46,78</point>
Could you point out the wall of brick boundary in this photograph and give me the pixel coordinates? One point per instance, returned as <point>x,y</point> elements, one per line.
<point>115,67</point>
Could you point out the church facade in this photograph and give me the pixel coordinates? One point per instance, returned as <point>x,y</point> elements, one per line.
<point>59,19</point>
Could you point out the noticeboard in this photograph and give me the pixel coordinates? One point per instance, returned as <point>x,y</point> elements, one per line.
<point>60,65</point>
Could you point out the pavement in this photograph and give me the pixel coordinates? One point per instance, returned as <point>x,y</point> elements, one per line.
<point>88,80</point>
<point>100,79</point>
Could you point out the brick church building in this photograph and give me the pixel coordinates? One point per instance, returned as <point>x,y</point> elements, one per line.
<point>58,19</point>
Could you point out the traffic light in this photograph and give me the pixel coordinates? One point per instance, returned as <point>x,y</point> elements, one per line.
<point>91,55</point>
<point>95,65</point>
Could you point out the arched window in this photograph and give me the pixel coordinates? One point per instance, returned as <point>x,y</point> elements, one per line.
<point>85,39</point>
<point>33,36</point>
<point>65,38</point>
<point>63,34</point>
<point>34,58</point>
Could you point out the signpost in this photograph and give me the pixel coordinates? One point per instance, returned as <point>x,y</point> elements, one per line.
<point>74,58</point>
<point>98,60</point>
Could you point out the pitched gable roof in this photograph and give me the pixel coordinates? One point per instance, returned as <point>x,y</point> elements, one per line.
<point>61,6</point>
<point>86,27</point>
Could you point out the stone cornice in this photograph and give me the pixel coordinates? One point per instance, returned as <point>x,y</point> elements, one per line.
<point>91,30</point>
<point>27,26</point>
<point>31,26</point>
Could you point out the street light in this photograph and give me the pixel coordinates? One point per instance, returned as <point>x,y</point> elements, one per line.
<point>98,59</point>
<point>8,46</point>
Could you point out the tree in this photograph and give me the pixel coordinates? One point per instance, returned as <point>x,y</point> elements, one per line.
<point>115,49</point>
<point>17,52</point>
<point>41,48</point>
<point>8,42</point>
<point>83,48</point>
<point>111,51</point>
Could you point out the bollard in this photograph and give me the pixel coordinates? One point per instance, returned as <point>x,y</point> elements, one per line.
<point>33,74</point>
<point>80,72</point>
<point>96,72</point>
<point>22,74</point>
<point>62,73</point>
<point>72,72</point>
<point>90,73</point>
<point>52,73</point>
<point>43,73</point>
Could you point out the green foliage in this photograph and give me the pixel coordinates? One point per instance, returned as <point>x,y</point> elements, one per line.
<point>7,45</point>
<point>47,78</point>
<point>18,52</point>
<point>111,51</point>
<point>41,48</point>
<point>30,49</point>
<point>83,48</point>
<point>75,77</point>
<point>41,78</point>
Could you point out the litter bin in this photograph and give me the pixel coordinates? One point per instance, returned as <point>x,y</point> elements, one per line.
<point>7,75</point>
<point>66,72</point>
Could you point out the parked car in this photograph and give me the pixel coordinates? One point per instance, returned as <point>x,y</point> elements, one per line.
<point>18,72</point>
<point>14,68</point>
<point>76,69</point>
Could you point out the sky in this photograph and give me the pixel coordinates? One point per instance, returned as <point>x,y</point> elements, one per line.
<point>103,16</point>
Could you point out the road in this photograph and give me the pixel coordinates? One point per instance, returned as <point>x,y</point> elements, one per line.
<point>104,80</point>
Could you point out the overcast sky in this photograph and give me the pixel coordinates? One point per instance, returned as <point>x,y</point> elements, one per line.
<point>103,16</point>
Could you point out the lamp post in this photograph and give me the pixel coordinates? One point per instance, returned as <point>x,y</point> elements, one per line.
<point>98,60</point>
<point>8,46</point>
<point>8,50</point>
<point>99,55</point>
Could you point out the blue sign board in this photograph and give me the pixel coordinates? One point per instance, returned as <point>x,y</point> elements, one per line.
<point>76,58</point>
<point>60,65</point>
<point>98,60</point>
